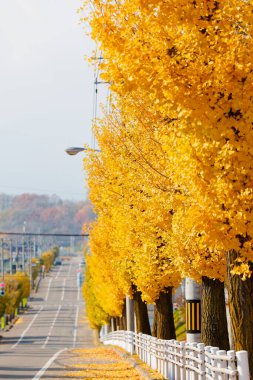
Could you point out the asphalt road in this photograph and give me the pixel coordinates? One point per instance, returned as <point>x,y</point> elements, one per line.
<point>54,321</point>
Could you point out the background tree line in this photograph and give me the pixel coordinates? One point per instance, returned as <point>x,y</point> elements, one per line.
<point>42,213</point>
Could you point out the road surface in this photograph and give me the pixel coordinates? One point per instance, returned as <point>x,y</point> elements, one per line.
<point>55,321</point>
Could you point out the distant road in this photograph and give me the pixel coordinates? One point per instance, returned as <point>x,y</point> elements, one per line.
<point>54,321</point>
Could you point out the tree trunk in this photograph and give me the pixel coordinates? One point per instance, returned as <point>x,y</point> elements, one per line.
<point>113,324</point>
<point>214,331</point>
<point>154,325</point>
<point>164,315</point>
<point>122,319</point>
<point>141,313</point>
<point>240,298</point>
<point>117,323</point>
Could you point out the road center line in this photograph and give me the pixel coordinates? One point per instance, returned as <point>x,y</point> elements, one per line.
<point>70,267</point>
<point>52,326</point>
<point>47,365</point>
<point>48,289</point>
<point>75,327</point>
<point>58,273</point>
<point>63,289</point>
<point>28,327</point>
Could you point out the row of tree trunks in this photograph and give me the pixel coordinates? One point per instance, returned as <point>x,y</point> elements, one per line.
<point>240,299</point>
<point>214,321</point>
<point>214,331</point>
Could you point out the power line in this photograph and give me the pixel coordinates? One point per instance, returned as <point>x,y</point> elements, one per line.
<point>41,234</point>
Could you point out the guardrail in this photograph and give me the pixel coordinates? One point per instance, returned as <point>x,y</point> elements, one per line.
<point>182,361</point>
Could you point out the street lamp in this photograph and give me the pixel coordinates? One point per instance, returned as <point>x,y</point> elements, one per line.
<point>75,150</point>
<point>129,302</point>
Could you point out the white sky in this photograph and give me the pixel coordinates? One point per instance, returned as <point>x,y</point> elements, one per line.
<point>46,97</point>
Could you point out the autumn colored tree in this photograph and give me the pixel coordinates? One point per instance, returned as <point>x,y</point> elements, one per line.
<point>95,313</point>
<point>17,287</point>
<point>141,218</point>
<point>187,66</point>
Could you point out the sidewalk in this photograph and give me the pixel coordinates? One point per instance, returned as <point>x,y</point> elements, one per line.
<point>98,363</point>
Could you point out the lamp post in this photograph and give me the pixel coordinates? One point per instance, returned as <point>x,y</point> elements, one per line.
<point>129,302</point>
<point>75,150</point>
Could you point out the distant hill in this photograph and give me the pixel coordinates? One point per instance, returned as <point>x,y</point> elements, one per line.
<point>43,214</point>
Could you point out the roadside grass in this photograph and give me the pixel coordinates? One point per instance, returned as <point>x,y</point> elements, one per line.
<point>179,319</point>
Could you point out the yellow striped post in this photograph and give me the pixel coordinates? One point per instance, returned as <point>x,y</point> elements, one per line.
<point>193,316</point>
<point>193,310</point>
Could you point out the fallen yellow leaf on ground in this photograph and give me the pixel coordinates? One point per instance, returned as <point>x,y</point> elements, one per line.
<point>102,363</point>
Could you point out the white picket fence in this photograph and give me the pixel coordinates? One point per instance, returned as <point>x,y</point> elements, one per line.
<point>182,361</point>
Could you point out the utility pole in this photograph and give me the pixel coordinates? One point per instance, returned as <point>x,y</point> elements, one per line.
<point>10,256</point>
<point>34,246</point>
<point>2,259</point>
<point>29,262</point>
<point>17,261</point>
<point>23,247</point>
<point>193,311</point>
<point>23,256</point>
<point>130,313</point>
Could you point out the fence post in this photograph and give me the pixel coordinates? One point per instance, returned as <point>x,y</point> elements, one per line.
<point>242,365</point>
<point>214,361</point>
<point>201,357</point>
<point>221,364</point>
<point>132,344</point>
<point>148,350</point>
<point>177,360</point>
<point>207,350</point>
<point>231,363</point>
<point>194,354</point>
<point>106,329</point>
<point>182,361</point>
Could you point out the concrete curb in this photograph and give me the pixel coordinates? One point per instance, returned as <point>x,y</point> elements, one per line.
<point>37,285</point>
<point>11,324</point>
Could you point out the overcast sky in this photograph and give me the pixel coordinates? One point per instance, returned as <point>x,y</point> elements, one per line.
<point>46,97</point>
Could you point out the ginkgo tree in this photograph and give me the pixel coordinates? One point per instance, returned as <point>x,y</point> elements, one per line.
<point>191,64</point>
<point>131,194</point>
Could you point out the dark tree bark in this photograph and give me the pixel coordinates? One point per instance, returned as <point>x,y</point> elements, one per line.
<point>122,319</point>
<point>117,323</point>
<point>154,325</point>
<point>164,315</point>
<point>141,313</point>
<point>240,298</point>
<point>113,324</point>
<point>214,331</point>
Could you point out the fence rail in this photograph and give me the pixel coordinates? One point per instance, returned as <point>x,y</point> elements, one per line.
<point>182,361</point>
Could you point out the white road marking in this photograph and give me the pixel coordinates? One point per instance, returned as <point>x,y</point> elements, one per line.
<point>67,305</point>
<point>75,327</point>
<point>51,327</point>
<point>63,289</point>
<point>28,327</point>
<point>47,365</point>
<point>70,267</point>
<point>78,294</point>
<point>58,273</point>
<point>48,289</point>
